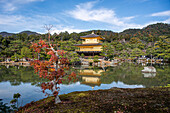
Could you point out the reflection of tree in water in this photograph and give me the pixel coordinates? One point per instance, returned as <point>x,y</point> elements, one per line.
<point>131,74</point>
<point>127,73</point>
<point>17,75</point>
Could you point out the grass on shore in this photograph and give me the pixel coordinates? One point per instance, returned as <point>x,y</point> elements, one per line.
<point>114,100</point>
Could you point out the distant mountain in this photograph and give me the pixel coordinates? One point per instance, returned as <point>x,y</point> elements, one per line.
<point>98,32</point>
<point>29,33</point>
<point>130,31</point>
<point>154,30</point>
<point>6,34</point>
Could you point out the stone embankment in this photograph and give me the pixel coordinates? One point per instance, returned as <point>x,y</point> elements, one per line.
<point>12,63</point>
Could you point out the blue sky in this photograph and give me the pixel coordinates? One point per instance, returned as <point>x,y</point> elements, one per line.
<point>81,15</point>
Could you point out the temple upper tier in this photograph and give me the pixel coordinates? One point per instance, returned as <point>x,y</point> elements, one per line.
<point>91,45</point>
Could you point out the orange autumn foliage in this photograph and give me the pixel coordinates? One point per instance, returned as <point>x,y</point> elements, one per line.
<point>46,69</point>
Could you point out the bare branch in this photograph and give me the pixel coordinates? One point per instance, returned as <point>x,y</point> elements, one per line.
<point>48,27</point>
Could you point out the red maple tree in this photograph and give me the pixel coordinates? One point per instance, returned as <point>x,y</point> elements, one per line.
<point>52,69</point>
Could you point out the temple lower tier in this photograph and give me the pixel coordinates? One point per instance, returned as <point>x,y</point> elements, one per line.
<point>89,53</point>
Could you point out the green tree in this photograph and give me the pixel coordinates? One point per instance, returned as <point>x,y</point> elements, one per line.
<point>125,54</point>
<point>96,58</point>
<point>111,37</point>
<point>26,52</point>
<point>67,45</point>
<point>162,47</point>
<point>82,55</point>
<point>141,46</point>
<point>119,47</point>
<point>74,36</point>
<point>15,100</point>
<point>136,52</point>
<point>135,40</point>
<point>64,36</point>
<point>150,51</point>
<point>107,50</point>
<point>15,57</point>
<point>73,57</point>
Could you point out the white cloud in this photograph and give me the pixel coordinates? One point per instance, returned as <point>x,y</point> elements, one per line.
<point>126,26</point>
<point>26,1</point>
<point>88,12</point>
<point>128,18</point>
<point>164,13</point>
<point>16,23</point>
<point>167,21</point>
<point>145,24</point>
<point>11,5</point>
<point>85,12</point>
<point>60,28</point>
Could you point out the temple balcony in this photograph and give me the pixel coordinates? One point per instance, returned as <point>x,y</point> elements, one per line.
<point>88,49</point>
<point>88,42</point>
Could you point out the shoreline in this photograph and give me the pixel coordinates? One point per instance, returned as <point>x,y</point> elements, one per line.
<point>111,100</point>
<point>12,63</point>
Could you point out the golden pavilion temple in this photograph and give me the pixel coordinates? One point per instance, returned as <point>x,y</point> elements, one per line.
<point>92,45</point>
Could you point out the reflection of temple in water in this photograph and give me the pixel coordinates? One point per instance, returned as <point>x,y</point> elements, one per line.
<point>91,77</point>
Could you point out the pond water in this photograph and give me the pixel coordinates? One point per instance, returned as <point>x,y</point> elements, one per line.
<point>18,79</point>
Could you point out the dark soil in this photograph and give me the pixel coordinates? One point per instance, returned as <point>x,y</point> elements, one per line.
<point>114,100</point>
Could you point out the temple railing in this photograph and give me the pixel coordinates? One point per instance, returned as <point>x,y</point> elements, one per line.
<point>88,50</point>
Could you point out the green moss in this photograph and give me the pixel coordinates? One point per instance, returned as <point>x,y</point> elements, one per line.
<point>115,99</point>
<point>81,94</point>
